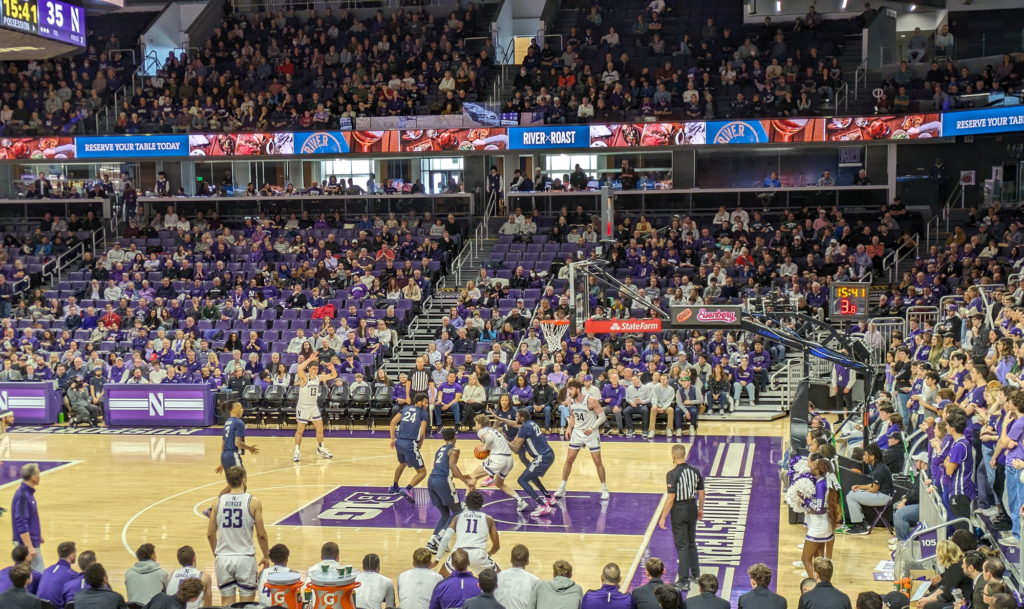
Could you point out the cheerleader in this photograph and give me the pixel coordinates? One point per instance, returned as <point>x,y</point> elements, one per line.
<point>823,513</point>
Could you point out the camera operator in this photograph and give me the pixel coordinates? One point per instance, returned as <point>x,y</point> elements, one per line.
<point>82,409</point>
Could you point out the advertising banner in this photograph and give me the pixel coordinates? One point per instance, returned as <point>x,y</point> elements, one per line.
<point>164,405</point>
<point>605,326</point>
<point>131,146</point>
<point>31,403</point>
<point>542,138</point>
<point>648,135</point>
<point>37,148</point>
<point>765,131</point>
<point>706,316</point>
<point>443,140</point>
<point>987,120</point>
<point>905,127</point>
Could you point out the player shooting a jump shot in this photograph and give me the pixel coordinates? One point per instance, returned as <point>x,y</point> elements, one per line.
<point>307,409</point>
<point>586,416</point>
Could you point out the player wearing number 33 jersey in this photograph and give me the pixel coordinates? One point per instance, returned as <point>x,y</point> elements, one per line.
<point>234,518</point>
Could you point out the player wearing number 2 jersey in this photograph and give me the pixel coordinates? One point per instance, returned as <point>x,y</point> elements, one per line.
<point>441,484</point>
<point>307,409</point>
<point>471,530</point>
<point>408,429</point>
<point>585,421</point>
<point>234,517</point>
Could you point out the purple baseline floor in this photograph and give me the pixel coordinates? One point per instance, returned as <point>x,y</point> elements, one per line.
<point>10,471</point>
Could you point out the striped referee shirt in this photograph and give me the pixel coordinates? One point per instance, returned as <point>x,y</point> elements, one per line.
<point>419,380</point>
<point>684,481</point>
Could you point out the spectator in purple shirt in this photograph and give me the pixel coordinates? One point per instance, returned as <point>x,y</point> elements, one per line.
<point>612,395</point>
<point>761,361</point>
<point>457,588</point>
<point>608,595</point>
<point>51,585</point>
<point>19,555</point>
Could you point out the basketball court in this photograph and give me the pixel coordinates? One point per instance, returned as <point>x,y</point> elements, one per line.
<point>151,485</point>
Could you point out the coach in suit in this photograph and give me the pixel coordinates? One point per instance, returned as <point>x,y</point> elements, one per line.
<point>974,563</point>
<point>824,595</point>
<point>760,597</point>
<point>643,597</point>
<point>707,600</point>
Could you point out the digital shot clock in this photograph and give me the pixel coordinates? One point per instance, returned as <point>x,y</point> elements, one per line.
<point>849,300</point>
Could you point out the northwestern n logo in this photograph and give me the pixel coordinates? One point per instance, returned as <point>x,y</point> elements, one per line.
<point>156,404</point>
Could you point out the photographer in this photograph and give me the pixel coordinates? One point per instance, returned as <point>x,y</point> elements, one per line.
<point>82,408</point>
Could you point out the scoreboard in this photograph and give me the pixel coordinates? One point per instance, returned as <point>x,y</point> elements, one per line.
<point>849,300</point>
<point>51,19</point>
<point>21,15</point>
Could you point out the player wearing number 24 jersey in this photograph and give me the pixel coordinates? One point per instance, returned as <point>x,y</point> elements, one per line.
<point>408,429</point>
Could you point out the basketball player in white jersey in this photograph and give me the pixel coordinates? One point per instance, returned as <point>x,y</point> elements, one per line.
<point>232,521</point>
<point>279,555</point>
<point>586,416</point>
<point>498,464</point>
<point>471,529</point>
<point>188,570</point>
<point>306,409</point>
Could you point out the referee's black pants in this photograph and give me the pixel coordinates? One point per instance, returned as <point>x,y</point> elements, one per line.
<point>684,533</point>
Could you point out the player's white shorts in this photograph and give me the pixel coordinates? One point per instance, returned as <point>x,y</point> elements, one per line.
<point>236,572</point>
<point>478,561</point>
<point>498,465</point>
<point>305,414</point>
<point>578,440</point>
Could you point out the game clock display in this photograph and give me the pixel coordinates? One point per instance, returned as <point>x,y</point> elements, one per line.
<point>51,19</point>
<point>849,300</point>
<point>21,15</point>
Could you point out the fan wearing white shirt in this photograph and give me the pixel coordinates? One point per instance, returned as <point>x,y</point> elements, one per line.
<point>416,585</point>
<point>515,585</point>
<point>278,564</point>
<point>329,554</point>
<point>374,589</point>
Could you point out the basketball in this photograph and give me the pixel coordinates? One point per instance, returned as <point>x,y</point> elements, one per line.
<point>480,452</point>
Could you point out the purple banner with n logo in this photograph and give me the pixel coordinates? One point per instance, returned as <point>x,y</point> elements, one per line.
<point>164,405</point>
<point>31,403</point>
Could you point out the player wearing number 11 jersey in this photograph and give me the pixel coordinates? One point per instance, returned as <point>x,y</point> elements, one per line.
<point>471,530</point>
<point>235,515</point>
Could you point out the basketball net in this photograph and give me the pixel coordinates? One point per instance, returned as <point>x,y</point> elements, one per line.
<point>554,330</point>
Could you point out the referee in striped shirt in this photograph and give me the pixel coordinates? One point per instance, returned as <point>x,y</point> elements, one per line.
<point>420,380</point>
<point>685,502</point>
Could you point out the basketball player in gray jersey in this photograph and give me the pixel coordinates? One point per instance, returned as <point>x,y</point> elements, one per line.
<point>307,410</point>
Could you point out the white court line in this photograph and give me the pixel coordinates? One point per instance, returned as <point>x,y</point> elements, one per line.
<point>718,459</point>
<point>733,460</point>
<point>750,462</point>
<point>42,473</point>
<point>124,530</point>
<point>730,572</point>
<point>30,439</point>
<point>643,545</point>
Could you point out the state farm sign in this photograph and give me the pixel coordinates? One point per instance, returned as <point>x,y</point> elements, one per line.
<point>704,316</point>
<point>605,326</point>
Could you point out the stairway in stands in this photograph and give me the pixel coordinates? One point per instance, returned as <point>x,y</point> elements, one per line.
<point>421,331</point>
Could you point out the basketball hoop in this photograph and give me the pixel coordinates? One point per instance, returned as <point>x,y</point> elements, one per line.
<point>554,330</point>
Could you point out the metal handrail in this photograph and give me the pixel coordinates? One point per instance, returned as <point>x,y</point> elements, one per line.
<point>893,265</point>
<point>948,206</point>
<point>843,97</point>
<point>773,379</point>
<point>862,67</point>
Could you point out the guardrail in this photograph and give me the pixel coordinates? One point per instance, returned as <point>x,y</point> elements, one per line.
<point>861,72</point>
<point>891,261</point>
<point>787,369</point>
<point>459,204</point>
